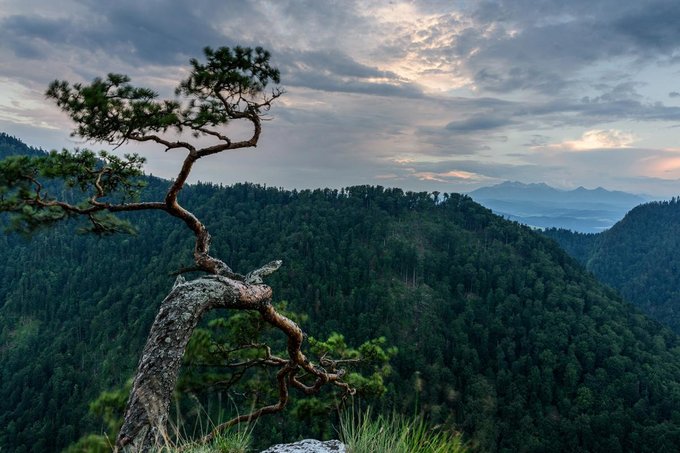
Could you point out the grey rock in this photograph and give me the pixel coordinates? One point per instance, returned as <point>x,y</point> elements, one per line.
<point>308,446</point>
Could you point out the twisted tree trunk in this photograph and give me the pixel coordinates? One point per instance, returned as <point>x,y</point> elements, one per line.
<point>146,414</point>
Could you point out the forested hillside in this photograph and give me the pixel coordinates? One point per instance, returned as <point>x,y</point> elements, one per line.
<point>10,146</point>
<point>639,256</point>
<point>500,333</point>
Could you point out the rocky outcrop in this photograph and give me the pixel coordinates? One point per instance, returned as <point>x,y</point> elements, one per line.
<point>308,446</point>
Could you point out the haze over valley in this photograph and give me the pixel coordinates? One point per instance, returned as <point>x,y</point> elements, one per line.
<point>541,206</point>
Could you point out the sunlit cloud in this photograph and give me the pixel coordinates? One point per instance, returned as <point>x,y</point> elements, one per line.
<point>418,45</point>
<point>598,139</point>
<point>663,167</point>
<point>451,176</point>
<point>19,105</point>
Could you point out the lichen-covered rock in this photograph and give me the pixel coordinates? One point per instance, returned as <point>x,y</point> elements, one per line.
<point>308,446</point>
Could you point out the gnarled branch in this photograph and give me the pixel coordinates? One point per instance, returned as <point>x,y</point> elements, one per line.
<point>229,86</point>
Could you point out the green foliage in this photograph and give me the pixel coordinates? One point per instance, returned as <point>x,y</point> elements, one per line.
<point>230,85</point>
<point>229,79</point>
<point>109,407</point>
<point>110,110</point>
<point>229,357</point>
<point>37,190</point>
<point>370,360</point>
<point>221,353</point>
<point>235,440</point>
<point>92,443</point>
<point>226,87</point>
<point>364,433</point>
<point>578,245</point>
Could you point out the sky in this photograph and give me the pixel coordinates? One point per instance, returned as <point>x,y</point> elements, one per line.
<point>422,95</point>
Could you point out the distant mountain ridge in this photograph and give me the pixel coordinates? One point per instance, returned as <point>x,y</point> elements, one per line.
<point>541,206</point>
<point>515,190</point>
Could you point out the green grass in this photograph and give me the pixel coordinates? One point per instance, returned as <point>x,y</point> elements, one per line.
<point>234,442</point>
<point>395,434</point>
<point>238,439</point>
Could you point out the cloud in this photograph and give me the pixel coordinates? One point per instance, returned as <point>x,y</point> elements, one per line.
<point>440,86</point>
<point>598,139</point>
<point>136,32</point>
<point>549,47</point>
<point>651,25</point>
<point>478,123</point>
<point>665,167</point>
<point>452,176</point>
<point>332,70</point>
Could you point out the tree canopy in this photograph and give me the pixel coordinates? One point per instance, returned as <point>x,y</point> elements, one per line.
<point>638,256</point>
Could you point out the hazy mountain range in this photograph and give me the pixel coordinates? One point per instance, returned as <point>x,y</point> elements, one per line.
<point>541,206</point>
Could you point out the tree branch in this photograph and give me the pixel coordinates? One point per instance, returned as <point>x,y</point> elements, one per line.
<point>168,144</point>
<point>180,312</point>
<point>230,86</point>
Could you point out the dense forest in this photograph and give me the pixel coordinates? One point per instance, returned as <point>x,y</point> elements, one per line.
<point>500,333</point>
<point>12,146</point>
<point>639,256</point>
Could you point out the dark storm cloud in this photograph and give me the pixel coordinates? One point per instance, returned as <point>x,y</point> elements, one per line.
<point>489,115</point>
<point>332,70</point>
<point>541,58</point>
<point>565,111</point>
<point>168,32</point>
<point>478,123</point>
<point>651,25</point>
<point>518,44</point>
<point>134,31</point>
<point>536,140</point>
<point>519,78</point>
<point>335,62</point>
<point>442,142</point>
<point>26,36</point>
<point>542,46</point>
<point>160,35</point>
<point>628,109</point>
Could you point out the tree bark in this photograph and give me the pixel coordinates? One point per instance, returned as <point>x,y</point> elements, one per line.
<point>146,415</point>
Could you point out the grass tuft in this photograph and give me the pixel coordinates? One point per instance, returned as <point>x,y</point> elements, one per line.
<point>395,434</point>
<point>235,440</point>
